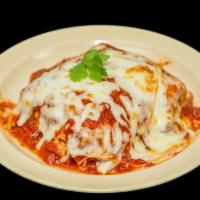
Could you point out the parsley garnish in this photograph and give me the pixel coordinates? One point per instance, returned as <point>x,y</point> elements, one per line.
<point>91,66</point>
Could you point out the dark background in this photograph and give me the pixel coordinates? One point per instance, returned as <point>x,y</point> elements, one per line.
<point>18,23</point>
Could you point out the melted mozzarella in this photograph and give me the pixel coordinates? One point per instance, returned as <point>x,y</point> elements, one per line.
<point>161,141</point>
<point>104,167</point>
<point>161,135</point>
<point>92,149</point>
<point>147,107</point>
<point>139,151</point>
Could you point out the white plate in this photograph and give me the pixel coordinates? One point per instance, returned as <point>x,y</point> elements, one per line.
<point>17,63</point>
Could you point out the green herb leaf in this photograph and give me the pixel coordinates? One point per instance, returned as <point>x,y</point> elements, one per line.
<point>97,73</point>
<point>104,57</point>
<point>91,66</point>
<point>78,73</point>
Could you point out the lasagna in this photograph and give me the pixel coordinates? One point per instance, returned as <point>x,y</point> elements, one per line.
<point>137,116</point>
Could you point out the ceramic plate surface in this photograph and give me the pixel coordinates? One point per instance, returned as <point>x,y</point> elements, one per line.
<point>18,62</point>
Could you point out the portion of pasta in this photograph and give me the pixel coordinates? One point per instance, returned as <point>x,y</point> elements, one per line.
<point>137,116</point>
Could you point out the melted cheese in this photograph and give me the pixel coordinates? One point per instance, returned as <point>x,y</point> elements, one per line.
<point>150,113</point>
<point>140,151</point>
<point>104,167</point>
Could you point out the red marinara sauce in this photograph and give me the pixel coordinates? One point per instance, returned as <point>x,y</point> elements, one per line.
<point>27,134</point>
<point>50,153</point>
<point>106,117</point>
<point>193,115</point>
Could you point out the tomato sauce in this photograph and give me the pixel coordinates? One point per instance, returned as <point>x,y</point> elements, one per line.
<point>106,117</point>
<point>38,73</point>
<point>193,115</point>
<point>28,135</point>
<point>116,97</point>
<point>4,107</point>
<point>51,153</point>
